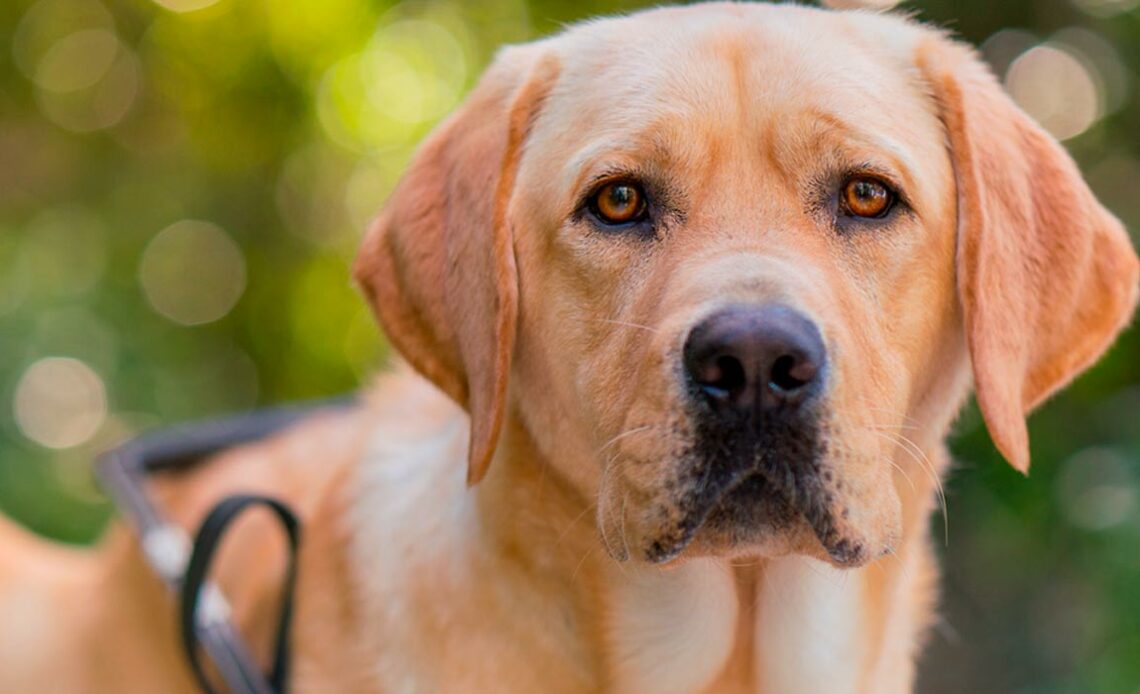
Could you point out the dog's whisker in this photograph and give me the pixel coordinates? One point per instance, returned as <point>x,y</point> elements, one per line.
<point>622,435</point>
<point>928,464</point>
<point>621,528</point>
<point>570,526</point>
<point>626,324</point>
<point>607,470</point>
<point>916,453</point>
<point>902,472</point>
<point>605,516</point>
<point>903,568</point>
<point>924,463</point>
<point>581,562</point>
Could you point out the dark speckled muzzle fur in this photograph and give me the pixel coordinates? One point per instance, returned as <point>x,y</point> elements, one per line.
<point>748,472</point>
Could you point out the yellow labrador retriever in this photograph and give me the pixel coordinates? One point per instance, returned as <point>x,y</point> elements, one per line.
<point>693,296</point>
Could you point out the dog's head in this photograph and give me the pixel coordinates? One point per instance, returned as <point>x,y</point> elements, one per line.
<point>725,263</point>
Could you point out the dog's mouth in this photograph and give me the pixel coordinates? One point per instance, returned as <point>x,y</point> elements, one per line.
<point>758,503</point>
<point>741,490</point>
<point>745,495</point>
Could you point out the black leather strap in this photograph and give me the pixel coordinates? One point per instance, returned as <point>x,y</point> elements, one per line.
<point>205,544</point>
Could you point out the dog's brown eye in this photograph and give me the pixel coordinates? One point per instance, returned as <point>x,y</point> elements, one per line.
<point>866,196</point>
<point>618,203</point>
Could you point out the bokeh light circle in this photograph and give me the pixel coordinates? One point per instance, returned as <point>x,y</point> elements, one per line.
<point>411,73</point>
<point>192,272</point>
<point>1056,89</point>
<point>60,402</point>
<point>1097,489</point>
<point>1004,46</point>
<point>77,61</point>
<point>414,71</point>
<point>48,22</point>
<point>99,106</point>
<point>1113,77</point>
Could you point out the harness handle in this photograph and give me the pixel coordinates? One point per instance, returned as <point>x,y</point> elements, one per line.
<point>196,623</point>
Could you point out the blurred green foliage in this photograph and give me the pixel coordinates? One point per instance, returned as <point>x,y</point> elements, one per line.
<point>277,128</point>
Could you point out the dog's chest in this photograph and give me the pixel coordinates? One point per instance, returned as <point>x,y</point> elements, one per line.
<point>811,627</point>
<point>672,630</point>
<point>707,626</point>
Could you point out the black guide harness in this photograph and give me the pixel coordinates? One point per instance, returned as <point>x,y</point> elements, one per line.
<point>183,565</point>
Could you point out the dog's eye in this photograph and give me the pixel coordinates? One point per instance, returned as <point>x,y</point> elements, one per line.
<point>619,202</point>
<point>867,197</point>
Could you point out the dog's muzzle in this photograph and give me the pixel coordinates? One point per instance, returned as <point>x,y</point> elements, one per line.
<point>755,379</point>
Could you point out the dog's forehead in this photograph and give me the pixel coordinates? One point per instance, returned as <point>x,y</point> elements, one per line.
<point>687,53</point>
<point>674,78</point>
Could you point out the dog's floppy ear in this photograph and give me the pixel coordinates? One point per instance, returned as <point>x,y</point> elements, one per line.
<point>438,264</point>
<point>1046,276</point>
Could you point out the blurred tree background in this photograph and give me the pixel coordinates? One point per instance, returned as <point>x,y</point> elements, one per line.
<point>183,184</point>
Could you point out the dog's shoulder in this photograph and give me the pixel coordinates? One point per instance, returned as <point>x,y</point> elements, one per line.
<point>378,544</point>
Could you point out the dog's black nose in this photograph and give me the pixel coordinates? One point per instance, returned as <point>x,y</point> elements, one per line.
<point>755,357</point>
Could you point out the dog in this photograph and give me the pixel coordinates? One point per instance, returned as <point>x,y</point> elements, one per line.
<point>690,299</point>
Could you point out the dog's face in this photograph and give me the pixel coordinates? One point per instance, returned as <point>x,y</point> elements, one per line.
<point>718,261</point>
<point>730,279</point>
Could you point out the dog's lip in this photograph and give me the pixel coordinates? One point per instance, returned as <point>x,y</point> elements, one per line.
<point>842,550</point>
<point>662,554</point>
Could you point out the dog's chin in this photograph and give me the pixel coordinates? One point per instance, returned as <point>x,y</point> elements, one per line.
<point>751,519</point>
<point>754,518</point>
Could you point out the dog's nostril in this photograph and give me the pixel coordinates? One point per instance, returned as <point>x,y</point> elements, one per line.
<point>723,377</point>
<point>790,373</point>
